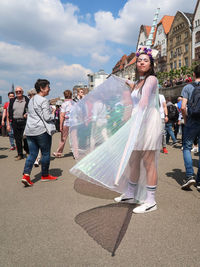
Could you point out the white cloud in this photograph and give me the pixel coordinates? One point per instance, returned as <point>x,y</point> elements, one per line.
<point>70,73</point>
<point>30,61</point>
<point>48,25</point>
<point>36,36</point>
<point>97,59</point>
<point>24,65</point>
<point>125,28</point>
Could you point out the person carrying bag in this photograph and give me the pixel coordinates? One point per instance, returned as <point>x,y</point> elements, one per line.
<point>39,130</point>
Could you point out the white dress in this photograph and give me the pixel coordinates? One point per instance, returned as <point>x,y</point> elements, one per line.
<point>139,128</point>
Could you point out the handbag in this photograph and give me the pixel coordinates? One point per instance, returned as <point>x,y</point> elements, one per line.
<point>50,126</point>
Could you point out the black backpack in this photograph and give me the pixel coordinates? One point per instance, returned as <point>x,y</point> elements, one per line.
<point>172,112</point>
<point>194,102</point>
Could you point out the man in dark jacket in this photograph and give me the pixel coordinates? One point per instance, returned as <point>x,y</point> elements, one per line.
<point>17,115</point>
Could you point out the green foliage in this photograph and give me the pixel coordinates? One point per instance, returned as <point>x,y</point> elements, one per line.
<point>176,73</point>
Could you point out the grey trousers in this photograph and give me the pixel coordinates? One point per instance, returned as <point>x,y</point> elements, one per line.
<point>163,133</point>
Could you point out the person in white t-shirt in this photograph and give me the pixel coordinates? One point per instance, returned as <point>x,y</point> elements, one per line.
<point>64,122</point>
<point>164,117</point>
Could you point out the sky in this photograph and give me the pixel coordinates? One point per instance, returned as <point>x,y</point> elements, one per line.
<point>63,41</point>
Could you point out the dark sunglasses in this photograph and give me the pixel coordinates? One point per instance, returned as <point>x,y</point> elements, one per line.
<point>18,92</point>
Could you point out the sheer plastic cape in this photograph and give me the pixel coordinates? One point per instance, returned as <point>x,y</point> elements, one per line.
<point>105,130</point>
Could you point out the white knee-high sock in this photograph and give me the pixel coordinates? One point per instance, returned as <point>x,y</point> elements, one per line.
<point>151,190</point>
<point>131,189</point>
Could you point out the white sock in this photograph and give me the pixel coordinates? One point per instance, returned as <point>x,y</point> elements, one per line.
<point>151,190</point>
<point>131,189</point>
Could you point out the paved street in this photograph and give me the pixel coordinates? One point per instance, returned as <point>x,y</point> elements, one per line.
<point>72,223</point>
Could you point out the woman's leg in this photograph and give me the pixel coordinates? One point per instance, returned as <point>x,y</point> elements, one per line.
<point>151,170</point>
<point>44,142</point>
<point>64,135</point>
<point>134,164</point>
<point>33,152</point>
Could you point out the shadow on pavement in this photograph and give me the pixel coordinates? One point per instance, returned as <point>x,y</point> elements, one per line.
<point>55,172</point>
<point>3,148</point>
<point>195,162</point>
<point>70,154</point>
<point>178,175</point>
<point>107,225</point>
<point>92,190</point>
<point>3,156</point>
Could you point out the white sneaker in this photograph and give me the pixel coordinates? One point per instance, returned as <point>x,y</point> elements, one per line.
<point>195,149</point>
<point>36,163</point>
<point>144,208</point>
<point>125,199</point>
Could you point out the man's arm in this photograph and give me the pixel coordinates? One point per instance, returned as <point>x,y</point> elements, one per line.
<point>184,109</point>
<point>3,117</point>
<point>165,111</point>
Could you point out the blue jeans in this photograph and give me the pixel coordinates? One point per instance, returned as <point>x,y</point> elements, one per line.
<point>191,131</point>
<point>11,136</point>
<point>170,132</point>
<point>42,142</point>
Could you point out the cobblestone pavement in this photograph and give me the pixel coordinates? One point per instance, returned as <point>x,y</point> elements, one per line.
<point>72,223</point>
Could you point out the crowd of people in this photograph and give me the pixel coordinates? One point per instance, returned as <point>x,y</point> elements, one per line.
<point>177,81</point>
<point>116,131</point>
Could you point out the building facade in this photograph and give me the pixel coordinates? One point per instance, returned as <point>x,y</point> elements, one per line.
<point>179,44</point>
<point>143,36</point>
<point>160,42</point>
<point>97,78</point>
<point>125,67</point>
<point>196,34</point>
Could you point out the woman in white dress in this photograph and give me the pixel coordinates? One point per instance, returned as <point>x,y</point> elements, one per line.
<point>126,161</point>
<point>145,148</point>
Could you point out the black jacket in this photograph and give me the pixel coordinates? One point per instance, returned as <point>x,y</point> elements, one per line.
<point>12,101</point>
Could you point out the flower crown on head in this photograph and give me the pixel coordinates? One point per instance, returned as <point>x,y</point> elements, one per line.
<point>146,51</point>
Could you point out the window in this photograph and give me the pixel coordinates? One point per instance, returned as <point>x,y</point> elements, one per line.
<point>171,54</point>
<point>171,66</point>
<point>197,37</point>
<point>159,31</point>
<point>178,39</point>
<point>178,51</point>
<point>186,48</point>
<point>186,61</point>
<point>179,63</point>
<point>175,64</point>
<point>186,35</point>
<point>197,53</point>
<point>163,41</point>
<point>91,79</point>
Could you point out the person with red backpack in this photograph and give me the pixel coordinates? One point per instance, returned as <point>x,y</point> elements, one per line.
<point>191,114</point>
<point>172,119</point>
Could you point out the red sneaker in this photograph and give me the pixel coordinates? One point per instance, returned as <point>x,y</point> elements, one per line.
<point>165,151</point>
<point>12,148</point>
<point>48,178</point>
<point>27,181</point>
